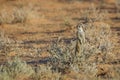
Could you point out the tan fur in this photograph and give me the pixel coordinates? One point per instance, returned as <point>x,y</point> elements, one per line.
<point>80,39</point>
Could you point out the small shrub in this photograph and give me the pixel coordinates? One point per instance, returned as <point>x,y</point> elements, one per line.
<point>5,17</point>
<point>44,72</point>
<point>20,15</point>
<point>67,22</point>
<point>98,37</point>
<point>15,69</point>
<point>17,14</point>
<point>94,14</point>
<point>62,58</point>
<point>4,43</point>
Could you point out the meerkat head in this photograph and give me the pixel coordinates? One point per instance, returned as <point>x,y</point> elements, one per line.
<point>80,27</point>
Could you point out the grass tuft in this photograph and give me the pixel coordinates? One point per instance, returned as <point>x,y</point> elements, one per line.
<point>15,69</point>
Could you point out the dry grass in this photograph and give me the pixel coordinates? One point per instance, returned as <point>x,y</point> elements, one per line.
<point>97,49</point>
<point>44,72</point>
<point>15,69</point>
<point>16,16</point>
<point>95,52</point>
<point>5,43</point>
<point>94,14</point>
<point>19,13</point>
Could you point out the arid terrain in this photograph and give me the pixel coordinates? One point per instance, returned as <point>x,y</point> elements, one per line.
<point>45,22</point>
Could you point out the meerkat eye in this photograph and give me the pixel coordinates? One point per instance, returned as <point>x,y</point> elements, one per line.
<point>78,26</point>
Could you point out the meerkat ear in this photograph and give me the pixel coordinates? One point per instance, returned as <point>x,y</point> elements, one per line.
<point>79,25</point>
<point>82,25</point>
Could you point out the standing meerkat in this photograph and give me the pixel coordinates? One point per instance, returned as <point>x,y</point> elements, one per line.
<point>80,38</point>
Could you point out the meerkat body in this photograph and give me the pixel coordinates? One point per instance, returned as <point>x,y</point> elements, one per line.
<point>80,39</point>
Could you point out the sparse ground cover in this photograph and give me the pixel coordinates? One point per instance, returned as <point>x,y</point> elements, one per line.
<point>38,40</point>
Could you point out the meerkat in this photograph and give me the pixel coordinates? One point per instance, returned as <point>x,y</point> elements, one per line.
<point>80,38</point>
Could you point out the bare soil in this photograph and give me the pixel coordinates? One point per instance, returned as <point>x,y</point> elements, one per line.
<point>51,26</point>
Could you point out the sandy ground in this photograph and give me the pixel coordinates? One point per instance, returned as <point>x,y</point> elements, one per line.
<point>50,23</point>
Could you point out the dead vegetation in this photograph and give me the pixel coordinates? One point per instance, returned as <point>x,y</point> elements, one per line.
<point>86,58</point>
<point>19,13</point>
